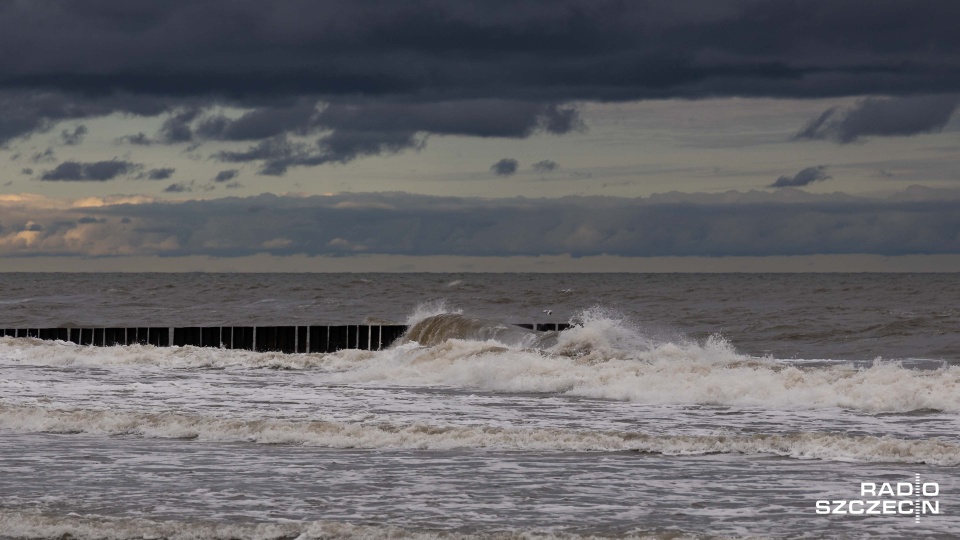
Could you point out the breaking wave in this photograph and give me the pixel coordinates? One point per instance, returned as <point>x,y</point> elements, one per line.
<point>601,357</point>
<point>814,445</point>
<point>440,328</point>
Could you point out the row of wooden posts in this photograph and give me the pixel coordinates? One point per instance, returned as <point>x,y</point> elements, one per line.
<point>287,339</point>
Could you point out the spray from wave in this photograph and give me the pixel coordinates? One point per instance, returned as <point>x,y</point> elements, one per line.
<point>425,310</point>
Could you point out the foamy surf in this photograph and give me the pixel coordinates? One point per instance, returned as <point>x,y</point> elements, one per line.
<point>602,358</point>
<point>27,351</point>
<point>420,436</point>
<point>33,524</point>
<point>669,374</point>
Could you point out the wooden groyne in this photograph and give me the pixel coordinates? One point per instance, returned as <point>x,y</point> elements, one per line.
<point>286,339</point>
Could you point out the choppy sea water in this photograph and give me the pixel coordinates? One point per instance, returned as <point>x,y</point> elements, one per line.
<point>677,406</point>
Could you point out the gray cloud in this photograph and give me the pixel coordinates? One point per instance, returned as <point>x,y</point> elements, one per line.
<point>804,177</point>
<point>75,137</point>
<point>546,166</point>
<point>97,171</point>
<point>479,117</point>
<point>179,187</point>
<point>140,139</point>
<point>47,156</point>
<point>817,128</point>
<point>176,128</point>
<point>159,174</point>
<point>783,222</point>
<point>262,123</point>
<point>225,176</point>
<point>36,110</point>
<point>505,167</point>
<point>883,117</point>
<point>345,145</point>
<point>26,171</point>
<point>277,153</point>
<point>357,130</point>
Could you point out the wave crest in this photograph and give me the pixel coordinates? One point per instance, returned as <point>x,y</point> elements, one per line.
<point>430,309</point>
<point>437,329</point>
<point>815,445</point>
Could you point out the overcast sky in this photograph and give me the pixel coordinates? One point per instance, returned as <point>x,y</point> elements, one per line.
<point>467,135</point>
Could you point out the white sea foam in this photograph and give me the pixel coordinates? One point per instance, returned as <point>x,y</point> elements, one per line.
<point>711,374</point>
<point>814,445</point>
<point>602,358</point>
<point>58,353</point>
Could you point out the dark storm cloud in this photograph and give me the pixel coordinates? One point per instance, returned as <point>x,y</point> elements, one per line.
<point>75,137</point>
<point>804,177</point>
<point>226,176</point>
<point>505,167</point>
<point>548,49</point>
<point>97,171</point>
<point>378,77</point>
<point>546,166</point>
<point>783,222</point>
<point>883,117</point>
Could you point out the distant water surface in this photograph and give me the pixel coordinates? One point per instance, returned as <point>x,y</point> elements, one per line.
<point>836,316</point>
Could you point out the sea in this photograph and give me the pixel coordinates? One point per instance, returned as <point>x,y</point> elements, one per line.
<point>675,406</point>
